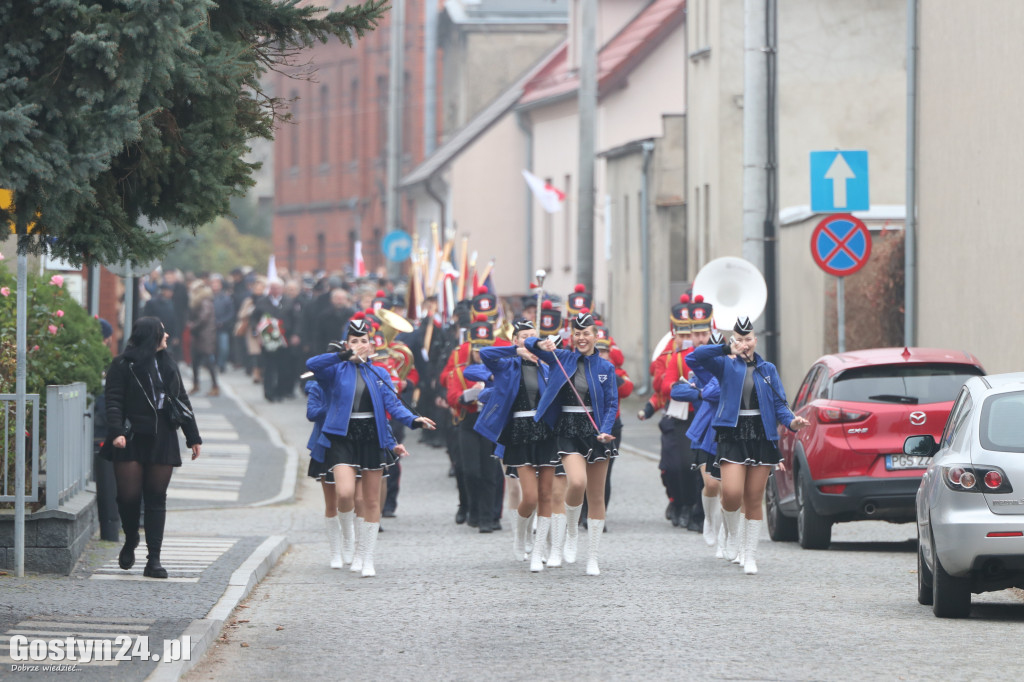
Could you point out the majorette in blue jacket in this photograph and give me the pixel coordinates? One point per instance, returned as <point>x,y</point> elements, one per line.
<point>730,372</point>
<point>506,369</point>
<point>338,379</point>
<point>700,433</point>
<point>600,374</point>
<point>316,412</point>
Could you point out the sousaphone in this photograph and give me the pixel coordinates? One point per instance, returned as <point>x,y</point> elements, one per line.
<point>734,287</point>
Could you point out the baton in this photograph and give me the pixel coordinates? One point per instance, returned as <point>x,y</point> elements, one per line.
<point>576,393</point>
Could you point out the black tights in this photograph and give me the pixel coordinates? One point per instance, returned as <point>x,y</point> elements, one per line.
<point>136,483</point>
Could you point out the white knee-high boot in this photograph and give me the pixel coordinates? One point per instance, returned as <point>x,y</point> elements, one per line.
<point>732,529</point>
<point>572,532</point>
<point>348,535</point>
<point>369,544</point>
<point>557,540</point>
<point>528,544</point>
<point>519,537</point>
<point>333,528</point>
<point>537,557</point>
<point>711,511</point>
<point>753,534</point>
<point>720,547</point>
<point>595,527</point>
<point>738,560</point>
<point>357,560</point>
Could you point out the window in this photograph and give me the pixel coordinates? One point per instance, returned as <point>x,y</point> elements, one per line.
<point>353,122</point>
<point>625,228</point>
<point>325,125</point>
<point>917,384</point>
<point>1002,422</point>
<point>321,251</point>
<point>296,118</point>
<point>806,392</point>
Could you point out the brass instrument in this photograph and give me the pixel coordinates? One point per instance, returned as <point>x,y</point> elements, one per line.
<point>392,324</point>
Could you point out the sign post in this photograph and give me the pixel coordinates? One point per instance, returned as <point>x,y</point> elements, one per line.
<point>841,245</point>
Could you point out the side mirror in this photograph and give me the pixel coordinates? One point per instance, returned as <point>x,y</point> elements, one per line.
<point>920,446</point>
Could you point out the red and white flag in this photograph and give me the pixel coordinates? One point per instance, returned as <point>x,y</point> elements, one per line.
<point>549,196</point>
<point>359,265</point>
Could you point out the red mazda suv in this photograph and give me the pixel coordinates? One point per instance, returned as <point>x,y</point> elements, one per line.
<point>848,465</point>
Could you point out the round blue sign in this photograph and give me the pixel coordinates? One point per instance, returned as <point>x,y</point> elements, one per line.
<point>397,246</point>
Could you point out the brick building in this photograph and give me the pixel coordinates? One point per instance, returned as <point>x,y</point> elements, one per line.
<point>330,161</point>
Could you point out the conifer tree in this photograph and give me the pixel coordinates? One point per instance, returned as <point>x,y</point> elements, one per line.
<point>115,111</point>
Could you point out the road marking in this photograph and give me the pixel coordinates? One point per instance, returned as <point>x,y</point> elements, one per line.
<point>185,558</point>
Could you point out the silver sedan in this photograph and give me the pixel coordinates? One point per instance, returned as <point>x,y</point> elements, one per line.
<point>970,518</point>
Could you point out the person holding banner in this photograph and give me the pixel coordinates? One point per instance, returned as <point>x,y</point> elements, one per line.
<point>580,403</point>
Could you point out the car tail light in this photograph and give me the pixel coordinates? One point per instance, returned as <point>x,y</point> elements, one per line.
<point>832,489</point>
<point>839,415</point>
<point>967,478</point>
<point>1006,534</point>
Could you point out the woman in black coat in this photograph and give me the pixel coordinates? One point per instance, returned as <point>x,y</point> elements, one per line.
<point>141,441</point>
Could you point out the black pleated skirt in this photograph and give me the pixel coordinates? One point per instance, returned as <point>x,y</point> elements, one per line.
<point>148,448</point>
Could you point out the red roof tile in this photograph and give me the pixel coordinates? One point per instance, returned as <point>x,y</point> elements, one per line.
<point>617,58</point>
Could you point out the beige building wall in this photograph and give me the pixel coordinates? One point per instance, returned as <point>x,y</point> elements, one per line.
<point>969,207</point>
<point>653,89</point>
<point>841,85</point>
<point>488,203</point>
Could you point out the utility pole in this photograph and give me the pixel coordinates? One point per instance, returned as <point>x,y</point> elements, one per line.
<point>588,118</point>
<point>760,187</point>
<point>910,222</point>
<point>430,78</point>
<point>394,151</point>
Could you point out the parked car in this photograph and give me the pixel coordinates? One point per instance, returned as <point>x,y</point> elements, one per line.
<point>849,464</point>
<point>970,520</point>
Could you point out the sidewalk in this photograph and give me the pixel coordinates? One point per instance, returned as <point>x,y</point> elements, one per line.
<point>221,539</point>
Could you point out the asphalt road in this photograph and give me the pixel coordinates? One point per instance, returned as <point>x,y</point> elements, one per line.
<point>450,603</point>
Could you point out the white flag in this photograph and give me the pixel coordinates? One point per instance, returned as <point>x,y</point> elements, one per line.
<point>359,266</point>
<point>271,269</point>
<point>550,198</point>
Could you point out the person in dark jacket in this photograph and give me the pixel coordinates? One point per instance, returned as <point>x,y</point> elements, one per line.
<point>141,440</point>
<point>161,307</point>
<point>203,327</point>
<point>224,315</point>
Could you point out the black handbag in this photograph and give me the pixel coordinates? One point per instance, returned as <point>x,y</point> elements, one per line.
<point>178,413</point>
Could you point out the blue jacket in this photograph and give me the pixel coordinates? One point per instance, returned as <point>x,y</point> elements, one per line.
<point>483,398</point>
<point>316,412</point>
<point>600,374</point>
<point>730,371</point>
<point>700,433</point>
<point>506,368</point>
<point>338,379</point>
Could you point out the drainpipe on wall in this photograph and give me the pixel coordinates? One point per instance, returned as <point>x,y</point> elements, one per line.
<point>527,129</point>
<point>440,202</point>
<point>910,224</point>
<point>429,79</point>
<point>645,228</point>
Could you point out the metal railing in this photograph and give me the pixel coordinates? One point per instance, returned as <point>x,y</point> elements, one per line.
<point>68,442</point>
<point>7,486</point>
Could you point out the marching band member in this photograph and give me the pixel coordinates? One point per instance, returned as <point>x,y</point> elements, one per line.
<point>702,438</point>
<point>552,552</point>
<point>751,405</point>
<point>681,484</point>
<point>529,448</point>
<point>580,398</point>
<point>357,429</point>
<point>316,412</point>
<point>480,471</point>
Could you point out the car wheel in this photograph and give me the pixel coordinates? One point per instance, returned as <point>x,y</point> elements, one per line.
<point>951,596</point>
<point>813,530</point>
<point>924,579</point>
<point>781,528</point>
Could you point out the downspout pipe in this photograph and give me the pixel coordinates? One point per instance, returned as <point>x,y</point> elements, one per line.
<point>647,149</point>
<point>910,224</point>
<point>440,201</point>
<point>524,125</point>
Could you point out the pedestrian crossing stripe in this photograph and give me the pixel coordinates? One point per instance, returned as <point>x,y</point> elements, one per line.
<point>62,627</point>
<point>185,559</point>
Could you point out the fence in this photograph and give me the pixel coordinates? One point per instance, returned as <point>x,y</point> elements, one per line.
<point>68,442</point>
<point>7,404</point>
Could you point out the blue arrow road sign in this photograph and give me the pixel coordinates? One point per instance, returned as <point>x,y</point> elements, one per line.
<point>397,245</point>
<point>839,182</point>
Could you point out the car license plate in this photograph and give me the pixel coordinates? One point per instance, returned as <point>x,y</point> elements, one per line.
<point>897,462</point>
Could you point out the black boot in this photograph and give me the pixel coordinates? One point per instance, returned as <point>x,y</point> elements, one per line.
<point>684,515</point>
<point>129,513</point>
<point>460,516</point>
<point>156,516</point>
<point>673,513</point>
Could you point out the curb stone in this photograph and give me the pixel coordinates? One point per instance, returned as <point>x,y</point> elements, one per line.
<point>204,631</point>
